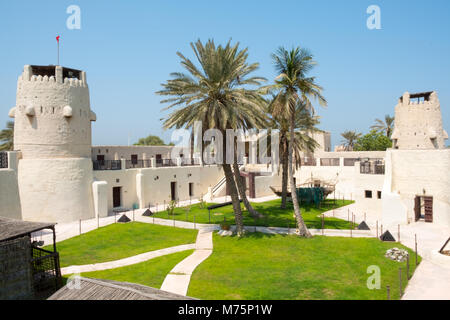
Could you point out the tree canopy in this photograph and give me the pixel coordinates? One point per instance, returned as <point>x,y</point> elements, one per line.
<point>151,141</point>
<point>373,141</point>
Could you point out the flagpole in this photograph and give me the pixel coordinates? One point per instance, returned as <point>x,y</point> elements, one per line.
<point>57,40</point>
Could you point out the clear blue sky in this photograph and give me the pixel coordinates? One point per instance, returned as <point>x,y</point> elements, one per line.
<point>128,49</point>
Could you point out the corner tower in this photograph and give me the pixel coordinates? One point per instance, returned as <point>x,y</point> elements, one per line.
<point>418,122</point>
<point>53,134</point>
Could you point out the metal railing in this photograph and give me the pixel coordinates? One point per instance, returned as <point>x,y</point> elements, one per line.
<point>107,164</point>
<point>375,167</point>
<point>165,163</point>
<point>190,162</point>
<point>329,162</point>
<point>133,164</point>
<point>308,162</point>
<point>46,271</point>
<point>3,160</point>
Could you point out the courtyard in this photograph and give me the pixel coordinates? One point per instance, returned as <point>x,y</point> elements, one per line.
<point>257,266</point>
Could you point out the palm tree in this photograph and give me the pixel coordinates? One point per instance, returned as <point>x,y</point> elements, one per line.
<point>350,138</point>
<point>7,137</point>
<point>386,126</point>
<point>217,93</point>
<point>305,123</point>
<point>293,86</point>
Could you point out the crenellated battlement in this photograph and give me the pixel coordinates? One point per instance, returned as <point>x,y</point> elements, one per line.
<point>418,122</point>
<point>53,74</point>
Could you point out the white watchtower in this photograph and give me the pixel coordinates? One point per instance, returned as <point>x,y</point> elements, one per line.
<point>418,122</point>
<point>53,134</point>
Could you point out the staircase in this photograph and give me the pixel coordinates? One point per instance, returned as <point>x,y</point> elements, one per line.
<point>215,190</point>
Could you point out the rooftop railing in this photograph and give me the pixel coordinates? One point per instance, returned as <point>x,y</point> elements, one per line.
<point>137,164</point>
<point>165,163</point>
<point>329,162</point>
<point>107,164</point>
<point>309,162</point>
<point>3,160</point>
<point>372,167</point>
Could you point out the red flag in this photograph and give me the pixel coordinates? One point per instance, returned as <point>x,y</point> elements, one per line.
<point>57,39</point>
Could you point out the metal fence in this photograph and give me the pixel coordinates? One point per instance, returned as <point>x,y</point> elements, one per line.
<point>3,160</point>
<point>372,167</point>
<point>329,162</point>
<point>308,162</point>
<point>107,164</point>
<point>45,269</point>
<point>190,162</point>
<point>165,163</point>
<point>134,164</point>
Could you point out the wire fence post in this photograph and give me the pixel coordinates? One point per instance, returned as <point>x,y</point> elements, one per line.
<point>323,223</point>
<point>351,228</point>
<point>415,240</point>
<point>407,267</point>
<point>388,292</point>
<point>377,228</point>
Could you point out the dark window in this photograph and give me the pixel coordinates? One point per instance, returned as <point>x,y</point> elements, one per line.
<point>191,189</point>
<point>379,194</point>
<point>100,157</point>
<point>368,194</point>
<point>134,159</point>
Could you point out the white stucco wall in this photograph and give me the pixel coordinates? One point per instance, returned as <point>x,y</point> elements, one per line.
<point>420,173</point>
<point>152,185</point>
<point>10,206</point>
<point>56,190</point>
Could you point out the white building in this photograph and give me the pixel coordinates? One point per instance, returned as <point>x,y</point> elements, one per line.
<point>56,175</point>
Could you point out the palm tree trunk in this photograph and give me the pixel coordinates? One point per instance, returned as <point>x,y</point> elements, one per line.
<point>302,229</point>
<point>284,176</point>
<point>231,184</point>
<point>241,189</point>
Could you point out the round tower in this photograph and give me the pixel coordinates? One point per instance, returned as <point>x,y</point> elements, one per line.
<point>53,134</point>
<point>418,122</point>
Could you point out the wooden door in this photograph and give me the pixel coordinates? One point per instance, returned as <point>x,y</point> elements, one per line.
<point>417,208</point>
<point>117,196</point>
<point>428,203</point>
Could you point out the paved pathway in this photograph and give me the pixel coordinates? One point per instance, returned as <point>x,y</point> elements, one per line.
<point>177,281</point>
<point>431,280</point>
<point>126,261</point>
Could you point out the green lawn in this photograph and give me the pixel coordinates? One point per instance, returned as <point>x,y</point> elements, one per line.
<point>149,273</point>
<point>118,241</point>
<point>274,216</point>
<point>261,266</point>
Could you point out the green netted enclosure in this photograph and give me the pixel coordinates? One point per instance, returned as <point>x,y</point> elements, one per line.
<point>311,195</point>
